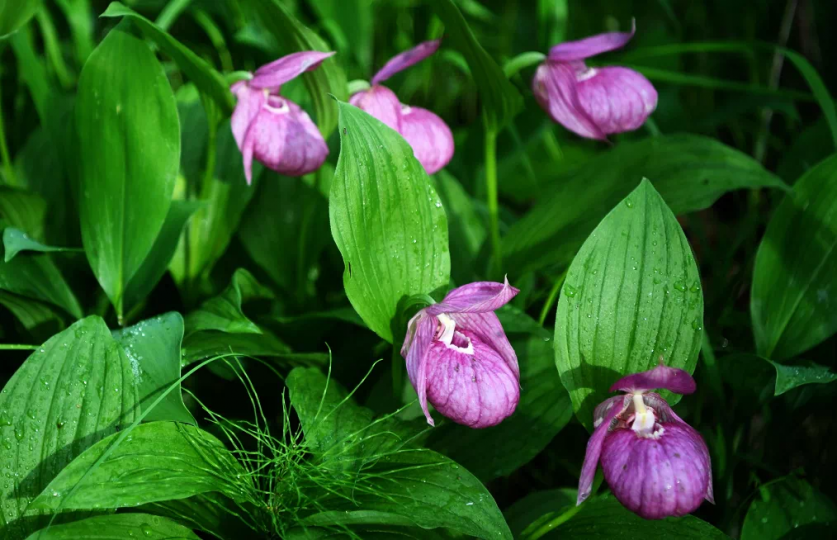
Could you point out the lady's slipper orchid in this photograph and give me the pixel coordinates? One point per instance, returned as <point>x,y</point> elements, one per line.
<point>428,134</point>
<point>459,359</point>
<point>274,129</point>
<point>593,101</point>
<point>655,463</point>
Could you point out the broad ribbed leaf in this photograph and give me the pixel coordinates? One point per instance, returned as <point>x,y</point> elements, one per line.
<point>24,210</point>
<point>32,314</point>
<point>789,377</point>
<point>605,518</point>
<point>159,461</point>
<point>15,241</point>
<point>543,411</point>
<point>690,172</point>
<point>208,81</point>
<point>210,512</point>
<point>539,508</point>
<point>784,506</point>
<point>73,391</point>
<point>16,13</point>
<point>155,264</point>
<point>153,348</point>
<point>326,80</point>
<point>118,527</point>
<point>632,294</point>
<point>224,312</point>
<point>794,297</point>
<point>500,99</point>
<point>129,149</point>
<point>387,221</point>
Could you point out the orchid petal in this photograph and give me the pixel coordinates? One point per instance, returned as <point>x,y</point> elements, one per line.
<point>673,379</point>
<point>285,139</point>
<point>617,99</point>
<point>476,389</point>
<point>657,477</point>
<point>405,60</point>
<point>594,449</point>
<point>380,102</point>
<point>477,297</point>
<point>555,89</point>
<point>430,137</point>
<point>250,102</point>
<point>487,327</point>
<point>287,68</point>
<point>415,351</point>
<point>591,46</point>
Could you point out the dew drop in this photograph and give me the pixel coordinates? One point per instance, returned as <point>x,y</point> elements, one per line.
<point>569,290</point>
<point>629,203</point>
<point>680,286</point>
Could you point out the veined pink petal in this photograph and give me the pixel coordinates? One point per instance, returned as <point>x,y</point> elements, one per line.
<point>249,104</point>
<point>278,72</point>
<point>602,409</point>
<point>415,351</point>
<point>594,449</point>
<point>477,297</point>
<point>283,138</point>
<point>617,99</point>
<point>429,136</point>
<point>672,379</point>
<point>555,88</point>
<point>591,46</point>
<point>380,102</point>
<point>657,477</point>
<point>406,59</point>
<point>469,382</point>
<point>487,327</point>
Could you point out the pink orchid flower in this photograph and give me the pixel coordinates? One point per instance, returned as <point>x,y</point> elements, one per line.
<point>430,137</point>
<point>593,101</point>
<point>274,129</point>
<point>656,464</point>
<point>459,359</point>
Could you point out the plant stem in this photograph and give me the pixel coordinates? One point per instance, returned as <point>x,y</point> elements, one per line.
<point>17,347</point>
<point>553,294</point>
<point>9,172</point>
<point>550,525</point>
<point>491,193</point>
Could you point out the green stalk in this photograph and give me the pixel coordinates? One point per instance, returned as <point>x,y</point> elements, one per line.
<point>550,525</point>
<point>9,172</point>
<point>553,294</point>
<point>491,193</point>
<point>17,347</point>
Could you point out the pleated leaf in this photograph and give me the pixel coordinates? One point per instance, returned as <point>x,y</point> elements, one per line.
<point>118,527</point>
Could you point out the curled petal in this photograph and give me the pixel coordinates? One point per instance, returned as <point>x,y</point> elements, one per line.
<point>487,327</point>
<point>250,102</point>
<point>283,138</point>
<point>602,409</point>
<point>672,379</point>
<point>617,99</point>
<point>278,72</point>
<point>470,383</point>
<point>405,60</point>
<point>669,475</point>
<point>429,136</point>
<point>594,448</point>
<point>591,46</point>
<point>415,350</point>
<point>477,297</point>
<point>380,102</point>
<point>555,89</point>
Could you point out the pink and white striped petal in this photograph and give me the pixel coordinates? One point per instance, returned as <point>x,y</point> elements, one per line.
<point>406,59</point>
<point>287,68</point>
<point>591,46</point>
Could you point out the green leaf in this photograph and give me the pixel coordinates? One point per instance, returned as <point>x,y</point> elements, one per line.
<point>543,411</point>
<point>353,20</point>
<point>36,276</point>
<point>73,391</point>
<point>690,172</point>
<point>539,508</point>
<point>285,229</point>
<point>794,287</point>
<point>386,220</point>
<point>117,527</point>
<point>632,294</point>
<point>129,148</point>
<point>32,314</point>
<point>203,75</point>
<point>604,517</point>
<point>154,265</point>
<point>15,241</point>
<point>783,506</point>
<point>419,488</point>
<point>14,14</point>
<point>224,312</point>
<point>23,209</point>
<point>789,377</point>
<point>209,343</point>
<point>500,99</point>
<point>467,229</point>
<point>326,80</point>
<point>153,348</point>
<point>210,512</point>
<point>156,462</point>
